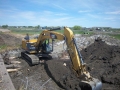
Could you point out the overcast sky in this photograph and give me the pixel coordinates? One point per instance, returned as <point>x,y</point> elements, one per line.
<point>86,13</point>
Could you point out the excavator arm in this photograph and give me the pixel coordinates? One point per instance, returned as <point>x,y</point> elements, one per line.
<point>77,63</point>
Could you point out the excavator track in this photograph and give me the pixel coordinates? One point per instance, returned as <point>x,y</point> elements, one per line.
<point>31,59</point>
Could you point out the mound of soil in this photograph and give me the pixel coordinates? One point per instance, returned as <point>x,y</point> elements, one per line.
<point>10,40</point>
<point>102,63</point>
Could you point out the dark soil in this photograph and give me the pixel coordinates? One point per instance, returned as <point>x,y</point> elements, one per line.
<point>62,75</point>
<point>36,77</point>
<point>102,62</point>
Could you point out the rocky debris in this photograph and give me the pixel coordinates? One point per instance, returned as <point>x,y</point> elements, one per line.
<point>11,60</point>
<point>5,30</point>
<point>10,55</point>
<point>84,41</point>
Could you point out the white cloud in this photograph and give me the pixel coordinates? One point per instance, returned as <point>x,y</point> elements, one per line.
<point>109,18</point>
<point>46,12</point>
<point>113,12</point>
<point>94,16</point>
<point>60,7</point>
<point>84,11</point>
<point>27,15</point>
<point>80,19</point>
<point>61,14</point>
<point>39,2</point>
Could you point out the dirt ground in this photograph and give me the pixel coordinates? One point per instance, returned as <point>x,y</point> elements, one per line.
<point>101,59</point>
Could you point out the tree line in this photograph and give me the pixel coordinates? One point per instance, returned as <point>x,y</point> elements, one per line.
<point>76,27</point>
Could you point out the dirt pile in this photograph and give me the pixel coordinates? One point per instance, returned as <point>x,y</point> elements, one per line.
<point>10,40</point>
<point>102,62</point>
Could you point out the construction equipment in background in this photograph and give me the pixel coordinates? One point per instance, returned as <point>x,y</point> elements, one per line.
<point>40,47</point>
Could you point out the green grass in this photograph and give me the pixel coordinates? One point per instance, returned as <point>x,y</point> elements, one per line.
<point>32,31</point>
<point>1,32</point>
<point>117,36</point>
<point>60,31</point>
<point>2,47</point>
<point>26,31</point>
<point>78,32</point>
<point>35,31</point>
<point>83,32</point>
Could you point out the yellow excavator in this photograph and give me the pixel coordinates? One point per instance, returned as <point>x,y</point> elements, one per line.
<point>39,47</point>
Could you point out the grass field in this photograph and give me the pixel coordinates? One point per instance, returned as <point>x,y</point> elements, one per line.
<point>3,47</point>
<point>26,31</point>
<point>117,36</point>
<point>35,31</point>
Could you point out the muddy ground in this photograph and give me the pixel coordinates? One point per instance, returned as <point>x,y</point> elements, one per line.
<point>101,59</point>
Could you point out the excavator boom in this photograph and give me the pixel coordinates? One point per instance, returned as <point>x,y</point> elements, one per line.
<point>78,65</point>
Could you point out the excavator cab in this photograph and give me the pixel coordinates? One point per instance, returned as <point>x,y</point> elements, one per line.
<point>46,48</point>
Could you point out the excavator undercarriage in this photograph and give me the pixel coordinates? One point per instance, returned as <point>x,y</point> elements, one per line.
<point>33,59</point>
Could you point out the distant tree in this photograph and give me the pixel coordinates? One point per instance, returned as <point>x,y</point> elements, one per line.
<point>30,26</point>
<point>38,26</point>
<point>24,26</point>
<point>4,26</point>
<point>76,27</point>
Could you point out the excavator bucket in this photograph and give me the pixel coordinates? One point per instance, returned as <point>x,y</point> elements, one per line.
<point>94,84</point>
